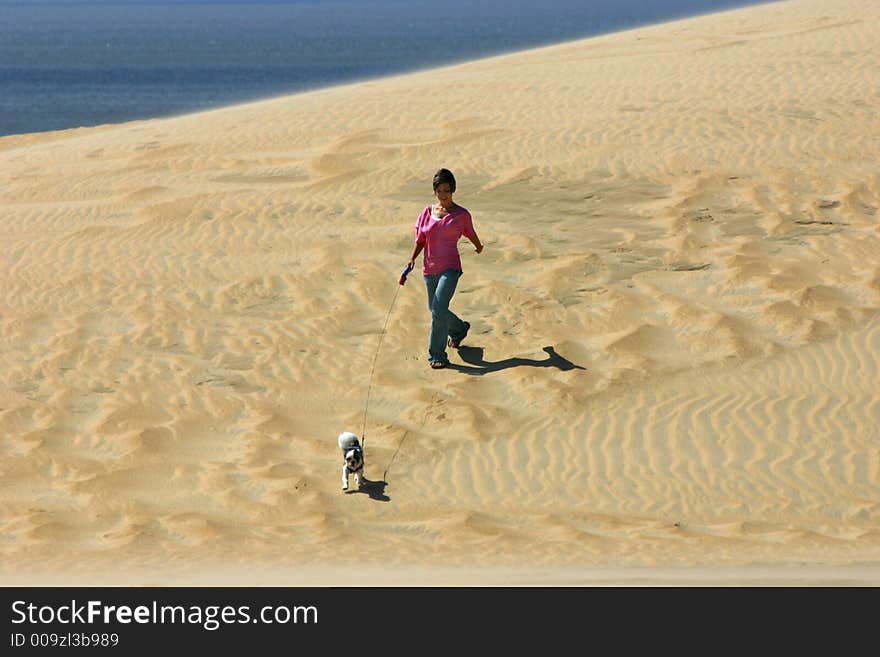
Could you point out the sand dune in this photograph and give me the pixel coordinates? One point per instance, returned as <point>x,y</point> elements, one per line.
<point>672,374</point>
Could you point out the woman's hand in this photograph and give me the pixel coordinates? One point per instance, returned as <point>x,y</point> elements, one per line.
<point>479,249</point>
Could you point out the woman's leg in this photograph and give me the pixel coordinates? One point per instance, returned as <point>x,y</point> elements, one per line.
<point>456,329</point>
<point>442,319</point>
<point>431,281</point>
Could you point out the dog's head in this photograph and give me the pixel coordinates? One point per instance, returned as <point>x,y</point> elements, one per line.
<point>354,459</point>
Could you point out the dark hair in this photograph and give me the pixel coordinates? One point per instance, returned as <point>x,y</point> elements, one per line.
<point>444,176</point>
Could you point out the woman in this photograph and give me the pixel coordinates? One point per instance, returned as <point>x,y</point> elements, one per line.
<point>438,230</point>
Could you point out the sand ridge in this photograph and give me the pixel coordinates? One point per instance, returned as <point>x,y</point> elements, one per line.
<point>676,319</point>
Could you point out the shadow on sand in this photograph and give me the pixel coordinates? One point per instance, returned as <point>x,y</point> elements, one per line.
<point>375,489</point>
<point>479,366</point>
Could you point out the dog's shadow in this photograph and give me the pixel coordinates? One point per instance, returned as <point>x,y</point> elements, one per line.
<point>375,489</point>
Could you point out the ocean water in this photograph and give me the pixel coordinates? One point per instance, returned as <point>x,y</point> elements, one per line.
<point>70,63</point>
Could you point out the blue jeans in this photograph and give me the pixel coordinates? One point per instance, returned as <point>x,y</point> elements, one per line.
<point>444,323</point>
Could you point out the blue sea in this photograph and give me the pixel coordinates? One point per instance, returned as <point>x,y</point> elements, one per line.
<point>70,63</point>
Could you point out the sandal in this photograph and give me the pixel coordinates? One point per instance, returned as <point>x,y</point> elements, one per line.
<point>455,344</point>
<point>437,365</point>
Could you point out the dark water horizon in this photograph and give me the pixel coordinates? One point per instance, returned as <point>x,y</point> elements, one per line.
<point>73,63</point>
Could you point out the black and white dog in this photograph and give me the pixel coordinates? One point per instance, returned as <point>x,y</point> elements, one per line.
<point>353,456</point>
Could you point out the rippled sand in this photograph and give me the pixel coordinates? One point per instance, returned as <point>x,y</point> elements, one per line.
<point>672,374</point>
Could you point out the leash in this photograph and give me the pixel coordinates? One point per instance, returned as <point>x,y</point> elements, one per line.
<point>401,282</point>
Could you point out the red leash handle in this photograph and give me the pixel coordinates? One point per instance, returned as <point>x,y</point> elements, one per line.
<point>405,273</point>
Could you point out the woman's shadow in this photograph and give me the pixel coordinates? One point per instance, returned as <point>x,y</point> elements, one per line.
<point>479,366</point>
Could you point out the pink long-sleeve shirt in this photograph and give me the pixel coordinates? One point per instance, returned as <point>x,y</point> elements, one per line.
<point>440,238</point>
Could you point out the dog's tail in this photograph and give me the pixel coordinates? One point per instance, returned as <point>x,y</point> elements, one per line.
<point>347,440</point>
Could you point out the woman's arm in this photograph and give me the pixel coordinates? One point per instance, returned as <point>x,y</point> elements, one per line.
<point>478,245</point>
<point>469,232</point>
<point>417,249</point>
<point>420,243</point>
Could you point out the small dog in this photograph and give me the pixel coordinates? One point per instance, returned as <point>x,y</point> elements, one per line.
<point>353,456</point>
